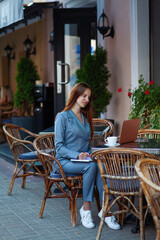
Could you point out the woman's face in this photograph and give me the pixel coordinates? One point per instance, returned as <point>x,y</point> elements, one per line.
<point>84,99</point>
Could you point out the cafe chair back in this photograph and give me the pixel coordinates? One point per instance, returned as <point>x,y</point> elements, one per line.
<point>146,126</point>
<point>148,171</point>
<point>149,133</point>
<point>44,145</point>
<point>102,129</point>
<point>6,114</point>
<point>70,185</point>
<point>20,141</point>
<point>120,181</point>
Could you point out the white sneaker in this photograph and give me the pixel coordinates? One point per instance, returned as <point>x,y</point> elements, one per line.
<point>110,221</point>
<point>86,218</point>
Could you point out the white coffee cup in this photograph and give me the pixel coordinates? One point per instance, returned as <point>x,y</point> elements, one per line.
<point>111,141</point>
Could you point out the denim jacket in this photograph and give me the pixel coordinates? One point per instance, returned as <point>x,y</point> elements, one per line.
<point>71,136</point>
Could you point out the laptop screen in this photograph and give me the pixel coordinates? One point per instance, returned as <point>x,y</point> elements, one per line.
<point>129,131</point>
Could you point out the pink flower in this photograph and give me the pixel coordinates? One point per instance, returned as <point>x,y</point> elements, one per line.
<point>150,83</point>
<point>147,92</point>
<point>129,94</point>
<point>119,89</point>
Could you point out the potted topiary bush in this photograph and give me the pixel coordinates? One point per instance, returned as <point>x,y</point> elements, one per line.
<point>24,96</point>
<point>95,72</point>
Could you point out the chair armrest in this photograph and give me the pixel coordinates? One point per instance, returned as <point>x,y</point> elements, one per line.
<point>34,135</point>
<point>7,114</point>
<point>19,146</point>
<point>50,159</point>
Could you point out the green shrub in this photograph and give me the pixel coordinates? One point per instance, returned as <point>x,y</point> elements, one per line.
<point>96,74</point>
<point>25,80</point>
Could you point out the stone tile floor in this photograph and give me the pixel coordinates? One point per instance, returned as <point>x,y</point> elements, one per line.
<point>19,214</point>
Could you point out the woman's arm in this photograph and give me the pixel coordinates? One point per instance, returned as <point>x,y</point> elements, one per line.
<point>60,144</point>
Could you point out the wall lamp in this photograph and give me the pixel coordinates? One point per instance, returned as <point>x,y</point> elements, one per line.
<point>51,41</point>
<point>103,26</point>
<point>28,47</point>
<point>8,52</point>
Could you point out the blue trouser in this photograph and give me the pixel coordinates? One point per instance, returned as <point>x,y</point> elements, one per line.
<point>91,177</point>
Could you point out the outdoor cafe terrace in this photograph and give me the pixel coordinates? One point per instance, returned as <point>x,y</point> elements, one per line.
<point>19,212</point>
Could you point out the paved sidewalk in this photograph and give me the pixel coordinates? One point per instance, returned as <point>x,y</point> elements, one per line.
<point>19,214</point>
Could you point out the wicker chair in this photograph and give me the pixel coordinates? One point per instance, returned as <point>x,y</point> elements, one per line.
<point>102,129</point>
<point>146,126</point>
<point>148,171</point>
<point>44,145</point>
<point>6,108</point>
<point>23,152</point>
<point>6,114</point>
<point>149,133</point>
<point>117,167</point>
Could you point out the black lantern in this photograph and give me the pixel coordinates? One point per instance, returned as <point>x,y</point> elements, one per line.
<point>103,26</point>
<point>28,47</point>
<point>51,41</point>
<point>8,52</point>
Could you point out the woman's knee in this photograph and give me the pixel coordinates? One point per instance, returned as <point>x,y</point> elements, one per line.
<point>91,167</point>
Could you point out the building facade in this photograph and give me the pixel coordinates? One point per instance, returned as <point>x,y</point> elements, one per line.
<point>132,51</point>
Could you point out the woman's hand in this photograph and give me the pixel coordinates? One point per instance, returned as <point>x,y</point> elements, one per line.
<point>83,155</point>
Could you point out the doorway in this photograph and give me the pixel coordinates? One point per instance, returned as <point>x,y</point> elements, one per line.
<point>75,36</point>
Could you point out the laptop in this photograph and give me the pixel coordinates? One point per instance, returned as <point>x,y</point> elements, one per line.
<point>129,131</point>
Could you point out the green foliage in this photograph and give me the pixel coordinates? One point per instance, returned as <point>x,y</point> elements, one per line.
<point>146,103</point>
<point>96,74</point>
<point>25,80</point>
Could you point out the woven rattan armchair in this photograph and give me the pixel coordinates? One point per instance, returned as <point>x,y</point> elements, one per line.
<point>148,171</point>
<point>146,126</point>
<point>102,129</point>
<point>117,167</point>
<point>6,108</point>
<point>20,141</point>
<point>149,133</point>
<point>44,145</point>
<point>6,114</point>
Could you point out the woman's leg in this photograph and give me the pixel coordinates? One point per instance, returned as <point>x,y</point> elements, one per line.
<point>89,171</point>
<point>99,184</point>
<point>111,221</point>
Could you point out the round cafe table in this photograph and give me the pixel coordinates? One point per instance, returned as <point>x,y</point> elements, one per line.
<point>151,146</point>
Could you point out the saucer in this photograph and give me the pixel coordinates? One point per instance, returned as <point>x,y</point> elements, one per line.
<point>106,144</point>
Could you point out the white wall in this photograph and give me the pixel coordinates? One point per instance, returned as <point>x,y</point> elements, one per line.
<point>139,11</point>
<point>128,53</point>
<point>119,60</point>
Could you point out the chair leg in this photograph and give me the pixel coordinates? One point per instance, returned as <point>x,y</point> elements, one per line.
<point>122,215</point>
<point>13,179</point>
<point>100,228</point>
<point>44,199</point>
<point>24,177</point>
<point>73,213</point>
<point>96,195</point>
<point>158,234</point>
<point>104,208</point>
<point>142,232</point>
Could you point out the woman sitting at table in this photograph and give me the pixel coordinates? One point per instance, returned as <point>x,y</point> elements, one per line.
<point>6,96</point>
<point>73,129</point>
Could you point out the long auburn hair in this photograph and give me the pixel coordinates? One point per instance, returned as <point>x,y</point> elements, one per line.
<point>77,91</point>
